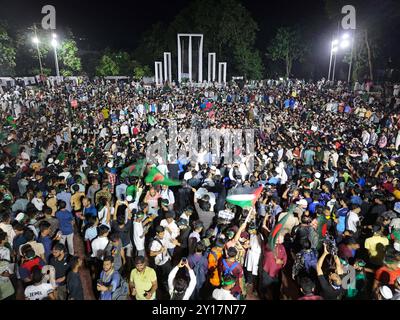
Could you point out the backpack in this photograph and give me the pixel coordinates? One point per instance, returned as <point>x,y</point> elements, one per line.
<point>310,260</point>
<point>152,262</point>
<point>228,270</point>
<point>122,291</point>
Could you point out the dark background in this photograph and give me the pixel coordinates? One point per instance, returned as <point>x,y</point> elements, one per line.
<point>119,24</point>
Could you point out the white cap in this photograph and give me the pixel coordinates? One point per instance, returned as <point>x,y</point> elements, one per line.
<point>51,160</point>
<point>213,168</point>
<point>20,217</point>
<point>271,154</point>
<point>129,198</point>
<point>396,247</point>
<point>317,175</point>
<point>386,293</point>
<point>2,166</point>
<point>110,164</point>
<point>303,203</point>
<point>57,161</point>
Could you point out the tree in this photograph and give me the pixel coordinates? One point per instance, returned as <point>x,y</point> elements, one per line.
<point>68,56</point>
<point>288,47</point>
<point>228,29</point>
<point>107,66</point>
<point>248,62</point>
<point>7,53</point>
<point>141,71</point>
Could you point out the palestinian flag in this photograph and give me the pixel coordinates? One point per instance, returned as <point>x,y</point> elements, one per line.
<point>151,120</point>
<point>134,170</point>
<point>244,197</point>
<point>277,230</point>
<point>156,177</point>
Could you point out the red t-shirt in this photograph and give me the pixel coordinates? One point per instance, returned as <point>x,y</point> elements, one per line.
<point>387,276</point>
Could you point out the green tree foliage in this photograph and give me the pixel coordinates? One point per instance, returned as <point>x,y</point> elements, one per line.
<point>7,53</point>
<point>108,65</point>
<point>228,29</point>
<point>287,46</point>
<point>70,63</point>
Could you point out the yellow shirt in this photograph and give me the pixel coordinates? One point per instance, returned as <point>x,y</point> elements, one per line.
<point>376,248</point>
<point>143,282</point>
<point>76,201</point>
<point>52,203</point>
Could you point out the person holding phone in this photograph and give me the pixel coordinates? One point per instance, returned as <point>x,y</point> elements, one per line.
<point>143,280</point>
<point>179,287</point>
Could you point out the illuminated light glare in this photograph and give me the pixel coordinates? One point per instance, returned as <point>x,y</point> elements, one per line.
<point>345,44</point>
<point>345,36</point>
<point>54,43</point>
<point>35,40</point>
<point>335,42</point>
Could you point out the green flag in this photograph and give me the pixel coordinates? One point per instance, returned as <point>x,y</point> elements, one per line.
<point>156,177</point>
<point>11,122</point>
<point>134,170</point>
<point>151,120</point>
<point>277,230</point>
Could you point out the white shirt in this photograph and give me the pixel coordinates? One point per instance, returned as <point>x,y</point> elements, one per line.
<point>169,195</point>
<point>352,221</point>
<point>222,294</point>
<point>38,292</point>
<point>170,236</point>
<point>137,233</point>
<point>161,258</point>
<point>98,246</point>
<point>189,289</point>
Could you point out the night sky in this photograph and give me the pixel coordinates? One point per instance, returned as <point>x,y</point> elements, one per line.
<point>119,24</point>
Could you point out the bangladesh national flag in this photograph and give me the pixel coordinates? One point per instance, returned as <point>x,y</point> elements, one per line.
<point>11,122</point>
<point>134,170</point>
<point>156,177</point>
<point>322,228</point>
<point>277,230</point>
<point>244,197</point>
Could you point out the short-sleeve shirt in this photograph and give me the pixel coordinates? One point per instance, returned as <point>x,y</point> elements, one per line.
<point>387,276</point>
<point>38,292</point>
<point>65,218</point>
<point>143,282</point>
<point>161,258</point>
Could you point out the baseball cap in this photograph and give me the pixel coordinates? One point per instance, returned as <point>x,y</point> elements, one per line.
<point>317,175</point>
<point>386,293</point>
<point>129,198</point>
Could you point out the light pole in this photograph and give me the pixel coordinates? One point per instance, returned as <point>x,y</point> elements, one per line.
<point>336,45</point>
<point>351,59</point>
<point>333,51</point>
<point>36,41</point>
<point>54,43</point>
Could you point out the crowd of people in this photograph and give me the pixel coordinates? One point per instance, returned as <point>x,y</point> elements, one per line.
<point>80,220</point>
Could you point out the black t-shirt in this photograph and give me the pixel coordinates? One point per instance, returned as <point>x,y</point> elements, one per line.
<point>327,291</point>
<point>61,267</point>
<point>74,286</point>
<point>123,232</point>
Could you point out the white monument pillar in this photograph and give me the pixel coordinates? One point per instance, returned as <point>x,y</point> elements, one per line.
<point>190,56</point>
<point>167,67</point>
<point>158,72</point>
<point>190,59</point>
<point>212,61</point>
<point>179,58</point>
<point>222,72</point>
